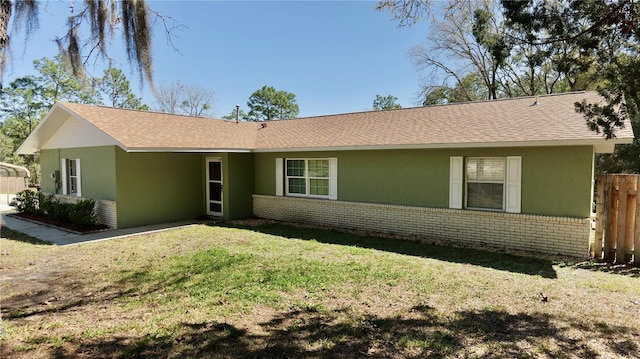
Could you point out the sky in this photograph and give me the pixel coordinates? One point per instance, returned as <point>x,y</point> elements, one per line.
<point>335,56</point>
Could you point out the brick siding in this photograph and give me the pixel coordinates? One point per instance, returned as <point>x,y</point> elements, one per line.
<point>544,234</point>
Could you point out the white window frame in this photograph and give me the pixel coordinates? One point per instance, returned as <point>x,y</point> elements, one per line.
<point>67,177</point>
<point>503,183</point>
<point>512,185</point>
<point>282,178</point>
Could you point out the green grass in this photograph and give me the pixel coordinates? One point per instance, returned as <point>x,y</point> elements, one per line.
<point>275,291</point>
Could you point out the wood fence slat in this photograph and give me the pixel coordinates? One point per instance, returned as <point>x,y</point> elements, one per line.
<point>632,198</point>
<point>600,215</point>
<point>621,220</point>
<point>612,219</point>
<point>618,218</point>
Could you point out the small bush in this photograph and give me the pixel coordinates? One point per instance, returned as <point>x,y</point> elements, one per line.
<point>82,215</point>
<point>28,201</point>
<point>47,204</point>
<point>60,212</point>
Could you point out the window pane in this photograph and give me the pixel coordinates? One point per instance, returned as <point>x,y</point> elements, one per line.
<point>215,171</point>
<point>319,187</point>
<point>318,168</point>
<point>295,167</point>
<point>485,169</point>
<point>72,167</point>
<point>215,191</point>
<point>73,185</point>
<point>297,185</point>
<point>215,207</point>
<point>485,195</point>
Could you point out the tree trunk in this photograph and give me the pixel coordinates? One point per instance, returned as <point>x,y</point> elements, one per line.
<point>5,14</point>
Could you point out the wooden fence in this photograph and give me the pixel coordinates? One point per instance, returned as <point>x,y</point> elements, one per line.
<point>617,236</point>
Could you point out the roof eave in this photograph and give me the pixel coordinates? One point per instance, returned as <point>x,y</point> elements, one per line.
<point>600,145</point>
<point>187,150</point>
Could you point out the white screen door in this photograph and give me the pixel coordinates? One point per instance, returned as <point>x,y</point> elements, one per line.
<point>214,187</point>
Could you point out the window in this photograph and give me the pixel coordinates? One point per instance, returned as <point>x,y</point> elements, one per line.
<point>485,183</point>
<point>71,180</point>
<point>307,177</point>
<point>490,183</point>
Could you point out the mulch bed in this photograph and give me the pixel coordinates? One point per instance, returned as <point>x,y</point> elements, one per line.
<point>44,219</point>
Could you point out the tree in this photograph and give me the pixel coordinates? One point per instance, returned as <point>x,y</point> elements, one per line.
<point>237,114</point>
<point>268,104</point>
<point>191,100</point>
<point>115,87</point>
<point>470,88</point>
<point>105,18</point>
<point>385,103</point>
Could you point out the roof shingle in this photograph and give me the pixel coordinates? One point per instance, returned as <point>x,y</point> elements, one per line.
<point>499,122</point>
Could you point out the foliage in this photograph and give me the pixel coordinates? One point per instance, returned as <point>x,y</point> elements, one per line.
<point>82,213</point>
<point>191,100</point>
<point>535,47</point>
<point>267,104</point>
<point>28,201</point>
<point>385,103</point>
<point>131,19</point>
<point>26,100</point>
<point>236,114</point>
<point>116,88</point>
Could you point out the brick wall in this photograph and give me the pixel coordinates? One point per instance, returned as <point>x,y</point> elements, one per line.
<point>106,210</point>
<point>551,235</point>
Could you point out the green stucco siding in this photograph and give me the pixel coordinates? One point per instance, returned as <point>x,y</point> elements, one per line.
<point>158,187</point>
<point>238,182</point>
<point>97,166</point>
<point>556,181</point>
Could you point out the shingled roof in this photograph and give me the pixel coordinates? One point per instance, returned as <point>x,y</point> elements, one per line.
<point>528,121</point>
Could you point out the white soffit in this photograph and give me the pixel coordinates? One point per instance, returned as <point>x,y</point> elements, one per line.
<point>75,133</point>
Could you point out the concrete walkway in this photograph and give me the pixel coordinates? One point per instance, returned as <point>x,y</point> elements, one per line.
<point>62,238</point>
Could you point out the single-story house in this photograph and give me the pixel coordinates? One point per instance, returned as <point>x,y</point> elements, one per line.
<point>514,173</point>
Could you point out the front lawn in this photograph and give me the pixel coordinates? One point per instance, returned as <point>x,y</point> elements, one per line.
<point>278,291</point>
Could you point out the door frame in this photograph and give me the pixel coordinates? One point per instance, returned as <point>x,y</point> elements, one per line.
<point>208,160</point>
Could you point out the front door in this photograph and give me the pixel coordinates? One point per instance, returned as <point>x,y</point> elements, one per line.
<point>214,187</point>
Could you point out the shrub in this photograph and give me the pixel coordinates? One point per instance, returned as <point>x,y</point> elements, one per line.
<point>60,212</point>
<point>82,215</point>
<point>28,201</point>
<point>47,204</point>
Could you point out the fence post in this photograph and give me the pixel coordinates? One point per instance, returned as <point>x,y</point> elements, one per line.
<point>600,217</point>
<point>630,209</point>
<point>612,218</point>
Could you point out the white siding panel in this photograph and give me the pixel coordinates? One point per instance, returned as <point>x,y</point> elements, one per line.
<point>456,180</point>
<point>514,184</point>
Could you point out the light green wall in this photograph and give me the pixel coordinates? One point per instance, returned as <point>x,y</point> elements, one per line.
<point>158,187</point>
<point>556,181</point>
<point>238,185</point>
<point>96,163</point>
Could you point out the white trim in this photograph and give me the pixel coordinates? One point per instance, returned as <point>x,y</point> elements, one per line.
<point>513,184</point>
<point>601,145</point>
<point>467,181</point>
<point>78,178</point>
<point>456,180</point>
<point>279,177</point>
<point>333,178</point>
<point>187,150</point>
<point>63,175</point>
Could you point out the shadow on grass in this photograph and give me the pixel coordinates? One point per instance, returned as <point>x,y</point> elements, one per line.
<point>342,334</point>
<point>12,235</point>
<point>625,269</point>
<point>489,259</point>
